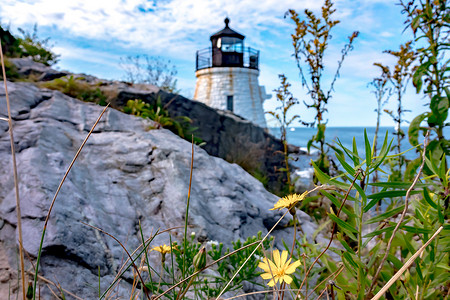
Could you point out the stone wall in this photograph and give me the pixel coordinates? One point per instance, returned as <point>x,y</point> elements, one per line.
<point>214,85</point>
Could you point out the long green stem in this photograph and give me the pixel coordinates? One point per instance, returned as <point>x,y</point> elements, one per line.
<point>183,269</point>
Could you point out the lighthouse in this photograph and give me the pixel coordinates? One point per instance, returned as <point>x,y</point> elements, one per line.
<point>227,76</point>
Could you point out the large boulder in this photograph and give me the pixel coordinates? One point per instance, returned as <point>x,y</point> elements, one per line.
<point>26,67</point>
<point>126,176</point>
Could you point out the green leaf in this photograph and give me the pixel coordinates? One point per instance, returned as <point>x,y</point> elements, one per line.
<point>442,171</point>
<point>408,243</point>
<point>350,260</point>
<point>416,229</point>
<point>395,261</point>
<point>385,215</point>
<point>439,106</point>
<point>368,150</point>
<point>443,266</point>
<point>361,193</point>
<point>414,128</point>
<point>380,231</point>
<point>383,153</point>
<point>396,184</point>
<point>349,153</point>
<point>373,254</point>
<point>440,216</point>
<point>325,179</point>
<point>421,70</point>
<point>320,136</point>
<point>371,204</point>
<point>346,166</point>
<point>319,229</point>
<point>411,168</point>
<point>431,165</point>
<point>390,194</point>
<point>355,150</point>
<point>337,203</point>
<point>346,246</point>
<point>347,228</point>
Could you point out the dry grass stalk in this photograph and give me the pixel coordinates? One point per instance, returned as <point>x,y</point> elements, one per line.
<point>332,234</point>
<point>48,281</point>
<point>56,195</point>
<point>146,291</point>
<point>405,266</point>
<point>16,178</point>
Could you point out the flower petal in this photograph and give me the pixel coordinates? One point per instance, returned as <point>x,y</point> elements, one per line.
<point>271,283</point>
<point>264,265</point>
<point>287,279</point>
<point>276,257</point>
<point>267,276</point>
<point>284,256</point>
<point>291,269</point>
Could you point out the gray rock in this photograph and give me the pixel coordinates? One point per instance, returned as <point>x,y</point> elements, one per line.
<point>125,174</point>
<point>27,67</point>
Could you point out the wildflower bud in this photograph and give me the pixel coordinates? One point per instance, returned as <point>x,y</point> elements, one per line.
<point>200,259</point>
<point>30,291</point>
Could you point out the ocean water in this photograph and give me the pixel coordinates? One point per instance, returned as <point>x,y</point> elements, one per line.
<point>299,136</point>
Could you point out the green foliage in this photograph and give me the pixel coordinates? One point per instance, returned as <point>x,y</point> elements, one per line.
<point>311,40</point>
<point>429,21</point>
<point>11,71</point>
<point>180,125</point>
<point>37,49</point>
<point>10,45</point>
<point>361,255</point>
<point>77,88</point>
<point>28,45</point>
<point>207,286</point>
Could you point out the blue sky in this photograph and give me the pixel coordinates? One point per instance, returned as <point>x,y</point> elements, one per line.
<point>92,36</point>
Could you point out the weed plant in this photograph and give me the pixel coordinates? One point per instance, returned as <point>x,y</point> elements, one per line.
<point>180,125</point>
<point>311,40</point>
<point>281,113</point>
<point>76,87</point>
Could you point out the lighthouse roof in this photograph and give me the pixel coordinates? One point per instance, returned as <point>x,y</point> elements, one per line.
<point>227,31</point>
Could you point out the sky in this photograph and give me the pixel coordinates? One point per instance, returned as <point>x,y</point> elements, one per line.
<point>92,37</point>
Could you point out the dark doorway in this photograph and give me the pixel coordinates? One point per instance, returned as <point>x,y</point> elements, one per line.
<point>230,103</point>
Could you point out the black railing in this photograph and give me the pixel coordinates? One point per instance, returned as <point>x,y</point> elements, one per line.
<point>249,58</point>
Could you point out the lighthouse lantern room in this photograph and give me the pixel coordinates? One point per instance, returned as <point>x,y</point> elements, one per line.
<point>227,76</point>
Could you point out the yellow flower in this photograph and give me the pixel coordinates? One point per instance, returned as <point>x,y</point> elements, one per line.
<point>280,270</point>
<point>289,201</point>
<point>162,249</point>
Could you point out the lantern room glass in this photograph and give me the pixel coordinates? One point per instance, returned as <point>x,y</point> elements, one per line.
<point>230,44</point>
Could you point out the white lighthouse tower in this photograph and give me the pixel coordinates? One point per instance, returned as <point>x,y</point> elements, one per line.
<point>227,76</point>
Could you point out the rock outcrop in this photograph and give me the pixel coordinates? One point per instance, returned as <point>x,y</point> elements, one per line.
<point>224,134</point>
<point>126,175</point>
